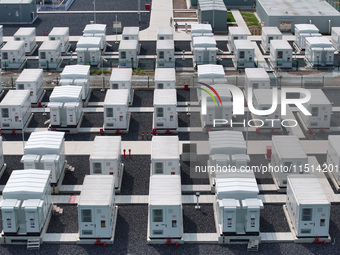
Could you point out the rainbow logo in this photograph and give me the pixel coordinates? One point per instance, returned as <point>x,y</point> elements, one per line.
<point>209,93</point>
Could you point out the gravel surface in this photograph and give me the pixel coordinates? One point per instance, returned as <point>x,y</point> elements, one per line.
<point>46,22</point>
<point>199,221</point>
<point>147,64</point>
<point>183,63</point>
<point>107,5</point>
<point>222,45</point>
<point>47,95</point>
<point>13,163</point>
<point>139,122</point>
<point>188,171</point>
<point>93,119</point>
<point>136,175</point>
<point>192,120</point>
<point>227,62</point>
<point>143,98</point>
<point>66,222</point>
<point>97,95</point>
<point>148,48</point>
<point>38,120</point>
<point>187,95</point>
<point>82,168</point>
<point>335,119</point>
<point>273,219</point>
<point>333,95</point>
<point>182,45</point>
<point>261,177</point>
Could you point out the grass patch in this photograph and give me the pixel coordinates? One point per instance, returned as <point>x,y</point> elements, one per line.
<point>250,18</point>
<point>99,71</point>
<point>230,17</point>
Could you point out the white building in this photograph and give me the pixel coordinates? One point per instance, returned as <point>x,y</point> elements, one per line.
<point>27,35</point>
<point>130,33</point>
<point>287,156</point>
<point>165,78</point>
<point>236,33</point>
<point>268,34</point>
<point>121,78</point>
<point>333,157</point>
<point>165,218</point>
<point>96,30</point>
<point>96,208</point>
<point>165,50</point>
<point>165,114</point>
<point>165,155</point>
<point>244,54</point>
<point>204,49</point>
<point>281,54</point>
<point>26,203</point>
<point>319,51</point>
<point>165,33</point>
<point>320,108</point>
<point>128,51</point>
<point>15,109</point>
<point>256,78</point>
<point>89,50</point>
<point>32,80</point>
<point>308,206</point>
<point>305,30</point>
<point>116,109</point>
<point>13,55</point>
<point>61,34</point>
<point>50,55</point>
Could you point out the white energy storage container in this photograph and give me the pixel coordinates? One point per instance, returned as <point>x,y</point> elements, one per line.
<point>121,78</point>
<point>96,30</point>
<point>336,38</point>
<point>268,34</point>
<point>211,110</point>
<point>165,33</point>
<point>13,55</point>
<point>128,51</point>
<point>116,109</point>
<point>308,206</point>
<point>89,50</point>
<point>263,100</point>
<point>244,54</point>
<point>78,75</point>
<point>165,114</point>
<point>302,31</point>
<point>27,35</point>
<point>165,207</point>
<point>320,108</point>
<point>27,202</point>
<point>236,33</point>
<point>281,54</point>
<point>50,55</point>
<point>96,207</point>
<point>227,142</point>
<point>204,49</point>
<point>210,74</point>
<point>61,34</point>
<point>32,80</point>
<point>201,30</point>
<point>130,33</point>
<point>333,156</point>
<point>15,109</point>
<point>319,51</point>
<point>165,78</point>
<point>165,50</point>
<point>66,106</point>
<point>256,78</point>
<point>45,150</point>
<point>288,157</point>
<point>165,155</point>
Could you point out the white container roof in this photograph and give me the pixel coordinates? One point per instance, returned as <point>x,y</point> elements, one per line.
<point>76,72</point>
<point>335,141</point>
<point>165,97</point>
<point>66,94</point>
<point>280,45</point>
<point>306,28</point>
<point>107,147</point>
<point>13,46</point>
<point>227,139</point>
<point>210,71</point>
<point>30,158</point>
<point>15,97</point>
<point>244,45</point>
<point>118,97</point>
<point>25,31</point>
<point>257,74</point>
<point>59,31</point>
<point>237,31</point>
<point>289,8</point>
<point>236,185</point>
<point>217,5</point>
<point>26,182</point>
<point>221,89</point>
<point>121,75</point>
<point>32,203</point>
<point>319,42</point>
<point>229,203</point>
<point>288,147</point>
<point>89,42</point>
<point>204,41</point>
<point>95,29</point>
<point>49,45</point>
<point>165,74</point>
<point>45,142</point>
<point>49,158</point>
<point>16,1</point>
<point>130,31</point>
<point>336,30</point>
<point>307,189</point>
<point>165,45</point>
<point>271,31</point>
<point>265,96</point>
<point>318,97</point>
<point>201,28</point>
<point>30,75</point>
<point>252,203</point>
<point>165,31</point>
<point>165,190</point>
<point>165,147</point>
<point>97,190</point>
<point>128,45</point>
<point>10,203</point>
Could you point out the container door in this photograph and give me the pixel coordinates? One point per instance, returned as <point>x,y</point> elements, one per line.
<point>102,223</point>
<point>32,221</point>
<point>55,116</point>
<point>110,169</point>
<point>307,223</point>
<point>321,221</point>
<point>157,223</point>
<point>229,220</point>
<point>9,221</point>
<point>160,116</point>
<point>109,117</point>
<point>87,225</point>
<point>173,224</point>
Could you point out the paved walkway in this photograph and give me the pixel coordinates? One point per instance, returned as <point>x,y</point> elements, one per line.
<point>239,20</point>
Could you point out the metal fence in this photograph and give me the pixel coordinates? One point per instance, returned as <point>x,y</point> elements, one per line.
<point>334,4</point>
